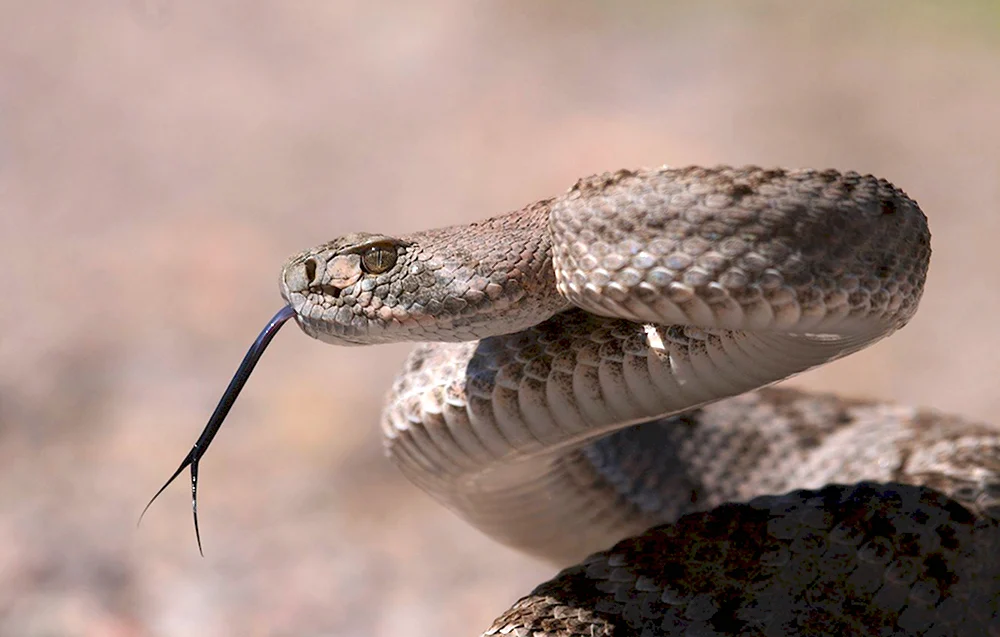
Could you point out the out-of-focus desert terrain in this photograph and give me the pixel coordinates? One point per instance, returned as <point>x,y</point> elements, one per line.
<point>160,159</point>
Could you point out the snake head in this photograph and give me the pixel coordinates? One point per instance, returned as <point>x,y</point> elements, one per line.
<point>449,284</point>
<point>347,291</point>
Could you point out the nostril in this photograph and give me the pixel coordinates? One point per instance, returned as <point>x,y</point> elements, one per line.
<point>310,271</point>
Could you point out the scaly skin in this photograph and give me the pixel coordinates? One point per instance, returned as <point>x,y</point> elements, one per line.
<point>450,284</point>
<point>644,297</point>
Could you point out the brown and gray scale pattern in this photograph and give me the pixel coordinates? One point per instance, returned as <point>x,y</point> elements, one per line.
<point>591,367</point>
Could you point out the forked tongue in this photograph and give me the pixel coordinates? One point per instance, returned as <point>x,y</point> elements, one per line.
<point>221,410</point>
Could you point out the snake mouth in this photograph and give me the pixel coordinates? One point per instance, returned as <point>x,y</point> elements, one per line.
<point>328,331</point>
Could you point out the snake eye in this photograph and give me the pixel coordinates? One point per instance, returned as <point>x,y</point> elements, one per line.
<point>378,258</point>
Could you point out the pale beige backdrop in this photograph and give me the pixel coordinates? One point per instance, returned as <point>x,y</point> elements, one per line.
<point>160,159</point>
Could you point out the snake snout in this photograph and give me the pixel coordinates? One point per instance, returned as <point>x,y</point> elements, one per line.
<point>300,275</point>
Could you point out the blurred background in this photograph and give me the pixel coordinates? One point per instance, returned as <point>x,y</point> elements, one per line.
<point>160,159</point>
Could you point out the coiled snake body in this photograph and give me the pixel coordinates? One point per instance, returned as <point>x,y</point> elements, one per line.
<point>581,378</point>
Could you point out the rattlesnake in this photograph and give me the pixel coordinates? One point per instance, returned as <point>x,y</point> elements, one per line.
<point>581,378</point>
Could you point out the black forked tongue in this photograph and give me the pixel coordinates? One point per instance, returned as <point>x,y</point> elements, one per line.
<point>221,410</point>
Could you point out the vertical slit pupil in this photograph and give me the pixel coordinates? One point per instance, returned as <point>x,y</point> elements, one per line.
<point>378,259</point>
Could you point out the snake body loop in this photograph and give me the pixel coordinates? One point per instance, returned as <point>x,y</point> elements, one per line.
<point>582,375</point>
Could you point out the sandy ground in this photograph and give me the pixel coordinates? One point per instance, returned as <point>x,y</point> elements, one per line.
<point>160,159</point>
